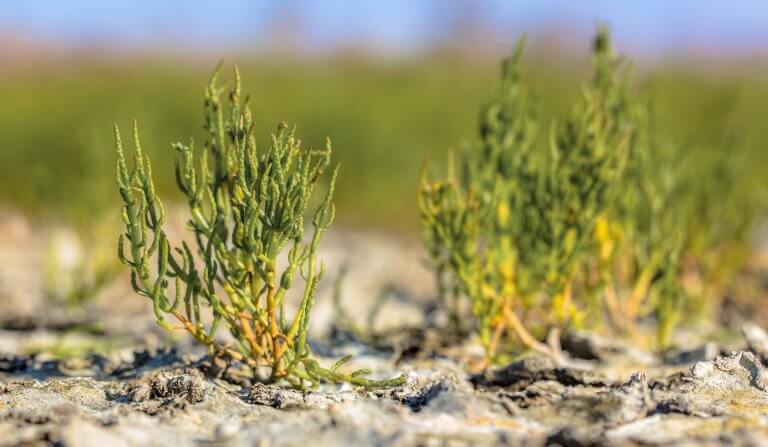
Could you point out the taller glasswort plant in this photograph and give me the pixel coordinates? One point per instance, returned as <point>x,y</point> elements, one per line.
<point>512,229</point>
<point>247,206</point>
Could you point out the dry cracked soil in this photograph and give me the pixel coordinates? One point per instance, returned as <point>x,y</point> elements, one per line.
<point>104,375</point>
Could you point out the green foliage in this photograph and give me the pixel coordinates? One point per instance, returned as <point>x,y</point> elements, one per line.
<point>247,206</point>
<point>385,117</point>
<point>681,230</point>
<point>52,121</point>
<point>639,239</point>
<point>597,222</point>
<point>513,231</point>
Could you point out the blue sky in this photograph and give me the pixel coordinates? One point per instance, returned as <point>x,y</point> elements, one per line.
<point>650,26</point>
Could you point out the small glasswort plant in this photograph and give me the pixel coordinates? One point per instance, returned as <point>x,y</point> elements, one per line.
<point>247,206</point>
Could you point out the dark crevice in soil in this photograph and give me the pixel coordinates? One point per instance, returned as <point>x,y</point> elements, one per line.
<point>99,366</point>
<point>427,340</point>
<point>520,374</point>
<point>30,323</point>
<point>416,398</point>
<point>574,437</point>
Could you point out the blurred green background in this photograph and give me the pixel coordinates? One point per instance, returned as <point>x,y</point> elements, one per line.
<point>385,113</point>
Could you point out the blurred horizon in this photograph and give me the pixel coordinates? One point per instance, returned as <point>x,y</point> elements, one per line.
<point>655,30</point>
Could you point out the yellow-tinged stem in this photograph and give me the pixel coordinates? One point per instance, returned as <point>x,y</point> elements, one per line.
<point>245,325</point>
<point>219,351</point>
<point>612,304</point>
<point>640,290</point>
<point>273,327</point>
<point>562,303</point>
<point>494,342</point>
<point>523,333</point>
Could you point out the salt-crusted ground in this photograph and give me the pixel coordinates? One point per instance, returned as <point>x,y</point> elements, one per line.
<point>105,375</point>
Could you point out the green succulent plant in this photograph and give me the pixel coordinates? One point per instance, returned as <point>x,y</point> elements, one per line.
<point>520,226</point>
<point>247,207</point>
